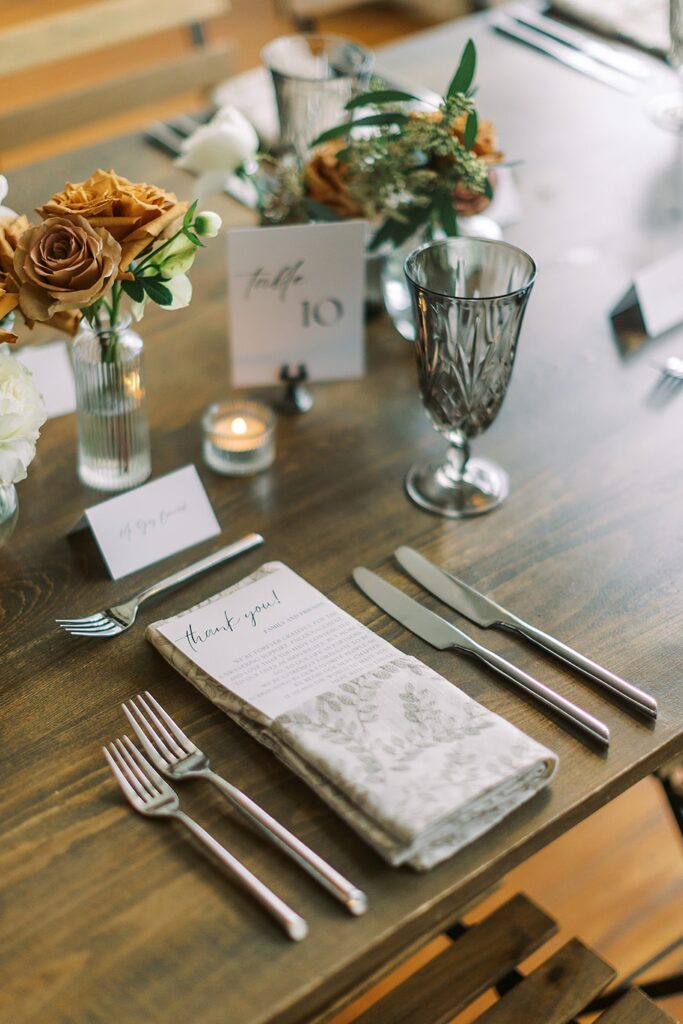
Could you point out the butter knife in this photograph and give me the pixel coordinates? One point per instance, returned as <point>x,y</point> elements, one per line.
<point>561,52</point>
<point>443,635</point>
<point>485,612</point>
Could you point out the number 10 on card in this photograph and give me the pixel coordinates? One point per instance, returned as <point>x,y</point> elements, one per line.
<point>296,295</point>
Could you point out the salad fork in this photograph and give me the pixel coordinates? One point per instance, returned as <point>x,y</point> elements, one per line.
<point>152,796</point>
<point>120,617</point>
<point>174,754</point>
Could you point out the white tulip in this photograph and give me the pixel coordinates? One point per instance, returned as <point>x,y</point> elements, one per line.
<point>221,145</point>
<point>22,413</point>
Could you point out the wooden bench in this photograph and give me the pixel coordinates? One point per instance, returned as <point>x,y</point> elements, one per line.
<point>487,955</point>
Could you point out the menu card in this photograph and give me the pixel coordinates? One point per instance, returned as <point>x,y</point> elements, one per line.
<point>412,763</point>
<point>276,642</point>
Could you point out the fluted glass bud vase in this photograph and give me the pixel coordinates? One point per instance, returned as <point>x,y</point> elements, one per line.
<point>113,430</point>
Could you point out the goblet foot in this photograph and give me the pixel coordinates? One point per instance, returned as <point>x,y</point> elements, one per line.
<point>481,488</point>
<point>667,112</point>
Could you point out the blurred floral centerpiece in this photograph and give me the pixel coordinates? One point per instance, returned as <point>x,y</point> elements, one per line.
<point>100,242</point>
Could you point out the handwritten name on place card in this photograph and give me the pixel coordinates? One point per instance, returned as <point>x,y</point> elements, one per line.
<point>296,296</point>
<point>144,525</point>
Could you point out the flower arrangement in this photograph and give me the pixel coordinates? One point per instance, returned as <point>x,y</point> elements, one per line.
<point>98,241</point>
<point>405,170</point>
<point>22,414</point>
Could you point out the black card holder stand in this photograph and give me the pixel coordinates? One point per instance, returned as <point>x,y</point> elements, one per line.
<point>297,397</point>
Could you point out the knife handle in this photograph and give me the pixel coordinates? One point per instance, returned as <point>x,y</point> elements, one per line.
<point>582,720</point>
<point>644,702</point>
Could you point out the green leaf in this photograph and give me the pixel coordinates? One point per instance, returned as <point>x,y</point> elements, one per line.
<point>369,99</point>
<point>134,289</point>
<point>194,238</point>
<point>319,211</point>
<point>189,216</point>
<point>443,203</point>
<point>488,189</point>
<point>462,79</point>
<point>157,291</point>
<point>390,117</point>
<point>471,129</point>
<point>397,231</point>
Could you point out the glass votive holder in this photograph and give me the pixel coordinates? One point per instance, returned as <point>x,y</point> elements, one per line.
<point>239,437</point>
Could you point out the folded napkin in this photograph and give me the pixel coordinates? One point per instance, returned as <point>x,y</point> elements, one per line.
<point>405,757</point>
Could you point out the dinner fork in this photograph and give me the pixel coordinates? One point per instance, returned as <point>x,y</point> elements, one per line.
<point>173,753</point>
<point>152,796</point>
<point>120,617</point>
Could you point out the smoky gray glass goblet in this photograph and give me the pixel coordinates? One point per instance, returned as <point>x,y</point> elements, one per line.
<point>469,296</point>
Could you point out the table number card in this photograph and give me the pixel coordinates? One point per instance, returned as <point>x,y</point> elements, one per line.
<point>151,522</point>
<point>657,293</point>
<point>296,296</point>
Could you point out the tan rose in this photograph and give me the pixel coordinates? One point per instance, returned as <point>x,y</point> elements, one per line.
<point>467,203</point>
<point>327,182</point>
<point>486,143</point>
<point>135,214</point>
<point>64,263</point>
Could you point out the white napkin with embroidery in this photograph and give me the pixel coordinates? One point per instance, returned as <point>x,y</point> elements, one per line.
<point>412,763</point>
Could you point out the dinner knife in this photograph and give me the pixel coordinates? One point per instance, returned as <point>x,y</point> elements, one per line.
<point>562,53</point>
<point>443,635</point>
<point>600,51</point>
<point>485,612</point>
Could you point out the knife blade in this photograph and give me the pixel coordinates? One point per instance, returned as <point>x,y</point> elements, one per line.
<point>443,635</point>
<point>562,53</point>
<point>627,63</point>
<point>485,612</point>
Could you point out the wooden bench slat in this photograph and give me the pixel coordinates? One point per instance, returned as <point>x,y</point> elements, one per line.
<point>475,962</point>
<point>556,991</point>
<point>197,69</point>
<point>635,1008</point>
<point>72,32</point>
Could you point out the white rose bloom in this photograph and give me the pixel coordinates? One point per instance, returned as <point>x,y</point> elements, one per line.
<point>22,413</point>
<point>221,145</point>
<point>5,211</point>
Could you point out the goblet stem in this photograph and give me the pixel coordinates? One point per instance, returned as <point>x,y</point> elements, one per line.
<point>457,458</point>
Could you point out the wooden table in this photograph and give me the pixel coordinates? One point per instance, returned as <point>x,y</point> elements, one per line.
<point>109,918</point>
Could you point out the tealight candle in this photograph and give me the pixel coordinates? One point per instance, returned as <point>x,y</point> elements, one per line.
<point>239,437</point>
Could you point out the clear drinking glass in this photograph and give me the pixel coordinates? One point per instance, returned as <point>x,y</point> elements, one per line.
<point>314,77</point>
<point>667,110</point>
<point>469,296</point>
<point>111,412</point>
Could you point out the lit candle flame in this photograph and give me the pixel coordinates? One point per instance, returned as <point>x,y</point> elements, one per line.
<point>239,425</point>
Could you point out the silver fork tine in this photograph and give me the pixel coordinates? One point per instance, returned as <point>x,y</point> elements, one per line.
<point>147,768</point>
<point>128,791</point>
<point>97,617</point>
<point>183,740</point>
<point>112,632</point>
<point>89,627</point>
<point>161,757</point>
<point>143,780</point>
<point>133,781</point>
<point>175,749</point>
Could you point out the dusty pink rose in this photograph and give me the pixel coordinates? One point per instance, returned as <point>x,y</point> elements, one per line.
<point>64,263</point>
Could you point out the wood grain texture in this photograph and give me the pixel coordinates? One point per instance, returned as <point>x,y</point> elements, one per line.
<point>474,962</point>
<point>635,1008</point>
<point>556,991</point>
<point>196,69</point>
<point>57,34</point>
<point>106,916</point>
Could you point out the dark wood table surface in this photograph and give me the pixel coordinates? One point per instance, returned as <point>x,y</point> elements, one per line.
<point>109,919</point>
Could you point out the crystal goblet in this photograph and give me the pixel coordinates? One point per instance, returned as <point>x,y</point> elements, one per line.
<point>469,296</point>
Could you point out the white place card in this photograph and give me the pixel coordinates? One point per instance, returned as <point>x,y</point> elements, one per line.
<point>50,367</point>
<point>276,641</point>
<point>151,522</point>
<point>296,297</point>
<point>657,292</point>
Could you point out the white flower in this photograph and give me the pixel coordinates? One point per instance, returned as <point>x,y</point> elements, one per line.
<point>180,288</point>
<point>22,413</point>
<point>207,224</point>
<point>5,211</point>
<point>221,145</point>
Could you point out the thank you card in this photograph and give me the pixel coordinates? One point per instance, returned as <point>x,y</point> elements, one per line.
<point>296,297</point>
